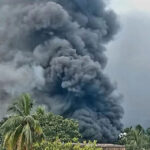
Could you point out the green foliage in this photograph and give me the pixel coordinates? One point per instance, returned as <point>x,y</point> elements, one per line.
<point>1,137</point>
<point>55,126</point>
<point>21,128</point>
<point>57,145</point>
<point>24,126</point>
<point>1,122</point>
<point>136,138</point>
<point>24,129</point>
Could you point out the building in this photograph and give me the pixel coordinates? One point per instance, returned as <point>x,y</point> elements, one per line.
<point>111,147</point>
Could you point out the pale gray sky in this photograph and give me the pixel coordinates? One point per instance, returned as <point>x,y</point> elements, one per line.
<point>129,59</point>
<point>125,6</point>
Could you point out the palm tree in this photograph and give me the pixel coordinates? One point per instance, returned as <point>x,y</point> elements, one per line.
<point>21,128</point>
<point>136,139</point>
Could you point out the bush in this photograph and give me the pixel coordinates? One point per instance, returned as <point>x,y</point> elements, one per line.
<point>57,145</point>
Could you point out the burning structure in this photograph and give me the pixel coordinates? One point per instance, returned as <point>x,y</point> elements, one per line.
<point>54,49</point>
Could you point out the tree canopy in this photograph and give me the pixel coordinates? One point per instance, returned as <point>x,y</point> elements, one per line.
<point>135,138</point>
<point>57,127</point>
<point>28,124</point>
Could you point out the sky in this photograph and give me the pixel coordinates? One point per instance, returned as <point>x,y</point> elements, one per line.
<point>129,59</point>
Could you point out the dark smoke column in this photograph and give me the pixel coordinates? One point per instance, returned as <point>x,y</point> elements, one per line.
<point>54,49</point>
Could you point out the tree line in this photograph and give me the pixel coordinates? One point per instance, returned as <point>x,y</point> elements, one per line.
<point>135,138</point>
<point>31,127</point>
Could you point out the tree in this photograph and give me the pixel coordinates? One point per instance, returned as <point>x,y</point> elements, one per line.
<point>55,126</point>
<point>21,128</point>
<point>135,139</point>
<point>24,127</point>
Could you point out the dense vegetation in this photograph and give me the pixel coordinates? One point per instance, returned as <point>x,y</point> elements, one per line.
<point>33,128</point>
<point>57,145</point>
<point>135,138</point>
<point>56,127</point>
<point>29,128</point>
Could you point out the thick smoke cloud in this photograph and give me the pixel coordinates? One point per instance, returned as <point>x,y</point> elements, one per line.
<point>54,49</point>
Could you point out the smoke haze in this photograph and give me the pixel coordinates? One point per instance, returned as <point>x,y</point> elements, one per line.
<point>54,49</point>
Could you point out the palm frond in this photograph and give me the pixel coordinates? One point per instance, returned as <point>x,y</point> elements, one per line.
<point>6,142</point>
<point>27,103</point>
<point>15,135</point>
<point>28,135</point>
<point>41,110</point>
<point>22,106</point>
<point>20,128</point>
<point>11,123</point>
<point>15,110</point>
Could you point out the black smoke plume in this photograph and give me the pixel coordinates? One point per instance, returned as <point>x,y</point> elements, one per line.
<point>54,49</point>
